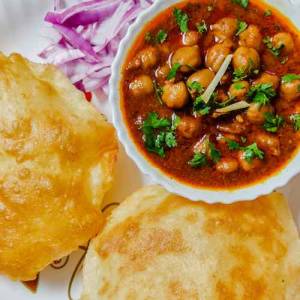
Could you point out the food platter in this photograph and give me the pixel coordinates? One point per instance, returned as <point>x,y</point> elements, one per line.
<point>23,31</point>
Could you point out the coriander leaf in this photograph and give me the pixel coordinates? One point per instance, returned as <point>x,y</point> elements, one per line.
<point>276,51</point>
<point>159,144</point>
<point>155,122</point>
<point>262,93</point>
<point>175,121</point>
<point>158,133</point>
<point>173,71</point>
<point>289,78</point>
<point>232,145</point>
<point>170,139</point>
<point>215,154</point>
<point>239,86</point>
<point>242,26</point>
<point>200,107</point>
<point>295,118</point>
<point>252,151</point>
<point>152,140</point>
<point>272,122</point>
<point>181,19</point>
<point>268,13</point>
<point>242,3</point>
<point>158,90</point>
<point>195,86</point>
<point>161,36</point>
<point>202,27</point>
<point>199,160</point>
<point>238,75</point>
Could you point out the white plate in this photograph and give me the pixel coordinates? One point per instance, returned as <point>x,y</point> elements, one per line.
<point>22,30</point>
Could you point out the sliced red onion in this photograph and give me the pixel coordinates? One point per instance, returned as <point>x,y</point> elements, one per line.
<point>90,33</point>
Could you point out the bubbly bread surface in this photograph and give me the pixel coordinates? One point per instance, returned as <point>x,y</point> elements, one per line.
<point>56,159</point>
<point>160,246</point>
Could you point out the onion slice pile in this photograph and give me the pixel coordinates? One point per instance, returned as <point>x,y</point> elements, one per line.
<point>89,33</point>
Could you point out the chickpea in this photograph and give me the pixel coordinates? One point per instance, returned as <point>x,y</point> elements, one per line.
<point>296,109</point>
<point>268,142</point>
<point>191,38</point>
<point>162,72</point>
<point>187,57</point>
<point>251,38</point>
<point>256,113</point>
<point>239,90</point>
<point>203,77</point>
<point>246,59</point>
<point>246,165</point>
<point>142,85</point>
<point>175,95</point>
<point>225,29</point>
<point>216,55</point>
<point>268,78</point>
<point>285,39</point>
<point>149,57</point>
<point>290,91</point>
<point>227,165</point>
<point>189,127</point>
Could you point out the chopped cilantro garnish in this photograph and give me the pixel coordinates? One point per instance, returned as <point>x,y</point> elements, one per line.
<point>232,145</point>
<point>262,93</point>
<point>238,86</point>
<point>155,122</point>
<point>276,51</point>
<point>195,86</point>
<point>170,139</point>
<point>161,36</point>
<point>268,13</point>
<point>199,160</point>
<point>242,26</point>
<point>252,151</point>
<point>158,90</point>
<point>295,118</point>
<point>202,27</point>
<point>173,71</point>
<point>242,3</point>
<point>214,153</point>
<point>200,107</point>
<point>272,122</point>
<point>175,121</point>
<point>158,133</point>
<point>289,78</point>
<point>181,19</point>
<point>238,75</point>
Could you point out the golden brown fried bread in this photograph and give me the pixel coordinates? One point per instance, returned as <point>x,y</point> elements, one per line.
<point>160,246</point>
<point>56,159</point>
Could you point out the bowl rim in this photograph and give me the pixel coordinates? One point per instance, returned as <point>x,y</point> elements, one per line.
<point>173,185</point>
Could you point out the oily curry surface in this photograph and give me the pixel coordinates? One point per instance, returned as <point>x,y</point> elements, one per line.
<point>249,128</point>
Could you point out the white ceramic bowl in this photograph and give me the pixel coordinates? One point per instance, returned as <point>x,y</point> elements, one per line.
<point>291,9</point>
